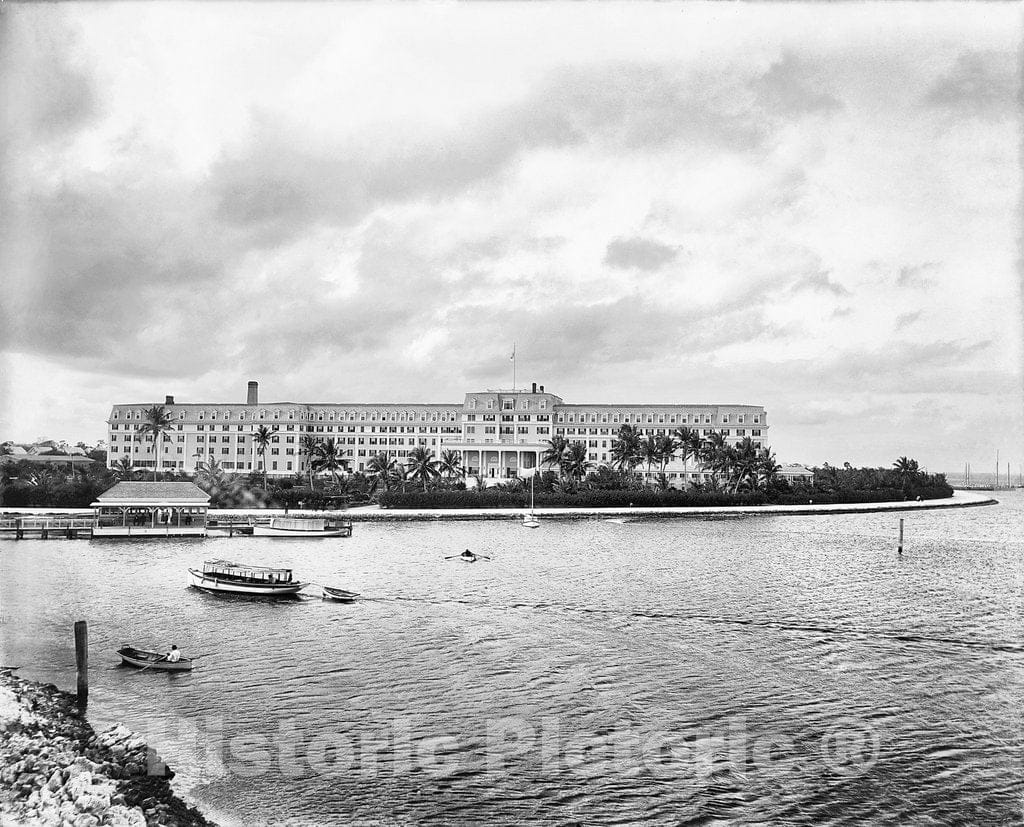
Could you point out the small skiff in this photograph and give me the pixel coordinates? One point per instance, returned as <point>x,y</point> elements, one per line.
<point>340,595</point>
<point>302,527</point>
<point>152,660</point>
<point>235,578</point>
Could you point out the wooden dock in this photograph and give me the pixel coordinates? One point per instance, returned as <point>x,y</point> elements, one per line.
<point>46,528</point>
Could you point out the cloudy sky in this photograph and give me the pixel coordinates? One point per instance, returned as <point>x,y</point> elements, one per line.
<point>814,208</point>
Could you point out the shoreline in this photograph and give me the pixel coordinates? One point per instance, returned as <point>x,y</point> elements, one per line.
<point>373,513</point>
<point>56,769</point>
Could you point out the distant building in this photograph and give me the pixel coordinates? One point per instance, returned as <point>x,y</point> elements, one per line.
<point>793,472</point>
<point>497,433</point>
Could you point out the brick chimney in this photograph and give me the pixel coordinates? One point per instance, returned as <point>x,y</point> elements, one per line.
<point>168,400</point>
<point>534,388</point>
<point>253,396</point>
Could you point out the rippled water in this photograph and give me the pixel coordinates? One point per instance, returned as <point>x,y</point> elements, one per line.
<point>786,669</point>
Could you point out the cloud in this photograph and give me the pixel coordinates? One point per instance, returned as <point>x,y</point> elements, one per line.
<point>639,253</point>
<point>905,319</point>
<point>981,84</point>
<point>791,87</point>
<point>819,282</point>
<point>917,275</point>
<point>47,92</point>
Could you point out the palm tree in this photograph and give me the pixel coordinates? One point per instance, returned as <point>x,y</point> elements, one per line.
<point>123,468</point>
<point>576,463</point>
<point>744,464</point>
<point>381,468</point>
<point>767,468</point>
<point>307,448</point>
<point>261,439</point>
<point>688,442</point>
<point>328,458</point>
<point>650,451</point>
<point>209,473</point>
<point>158,421</point>
<point>667,446</point>
<point>422,466</point>
<point>554,454</point>
<point>715,454</point>
<point>626,450</point>
<point>906,468</point>
<point>451,463</point>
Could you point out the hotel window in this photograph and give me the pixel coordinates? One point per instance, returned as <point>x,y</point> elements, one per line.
<point>471,429</point>
<point>181,438</point>
<point>273,465</point>
<point>275,439</point>
<point>508,404</point>
<point>756,432</point>
<point>291,414</point>
<point>757,419</point>
<point>543,430</point>
<point>604,417</point>
<point>275,451</point>
<point>488,429</point>
<point>241,414</point>
<point>277,414</point>
<point>241,440</point>
<point>543,404</point>
<point>224,450</point>
<point>181,450</point>
<point>725,419</point>
<point>225,427</point>
<point>263,414</point>
<point>289,451</point>
<point>526,405</point>
<point>661,417</point>
<point>200,427</point>
<point>115,414</point>
<point>202,414</point>
<point>741,432</point>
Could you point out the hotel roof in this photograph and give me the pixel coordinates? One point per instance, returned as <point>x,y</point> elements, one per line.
<point>152,493</point>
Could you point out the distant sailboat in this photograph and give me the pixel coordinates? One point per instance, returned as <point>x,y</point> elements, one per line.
<point>530,519</point>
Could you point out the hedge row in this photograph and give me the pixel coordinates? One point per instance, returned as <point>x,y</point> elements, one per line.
<point>495,498</point>
<point>649,498</point>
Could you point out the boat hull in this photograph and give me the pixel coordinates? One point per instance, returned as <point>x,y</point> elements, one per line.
<point>212,583</point>
<point>268,531</point>
<point>151,660</point>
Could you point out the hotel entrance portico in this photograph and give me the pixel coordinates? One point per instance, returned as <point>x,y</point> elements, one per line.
<point>497,460</point>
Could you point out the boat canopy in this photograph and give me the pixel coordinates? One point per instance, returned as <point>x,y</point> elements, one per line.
<point>249,572</point>
<point>298,523</point>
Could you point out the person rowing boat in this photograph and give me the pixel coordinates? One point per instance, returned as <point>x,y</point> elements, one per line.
<point>467,556</point>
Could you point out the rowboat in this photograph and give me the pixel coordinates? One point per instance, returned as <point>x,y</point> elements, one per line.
<point>237,578</point>
<point>340,595</point>
<point>302,527</point>
<point>152,660</point>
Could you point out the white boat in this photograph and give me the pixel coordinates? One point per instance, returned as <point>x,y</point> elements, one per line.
<point>530,519</point>
<point>237,578</point>
<point>302,527</point>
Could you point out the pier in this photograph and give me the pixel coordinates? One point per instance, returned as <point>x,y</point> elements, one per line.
<point>46,528</point>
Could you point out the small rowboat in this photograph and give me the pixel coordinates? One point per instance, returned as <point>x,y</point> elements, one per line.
<point>152,660</point>
<point>340,595</point>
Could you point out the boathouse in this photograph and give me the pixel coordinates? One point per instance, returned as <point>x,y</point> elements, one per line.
<point>151,509</point>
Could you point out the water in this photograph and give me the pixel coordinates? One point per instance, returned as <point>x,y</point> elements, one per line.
<point>753,670</point>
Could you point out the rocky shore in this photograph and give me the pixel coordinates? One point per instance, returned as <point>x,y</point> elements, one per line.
<point>56,770</point>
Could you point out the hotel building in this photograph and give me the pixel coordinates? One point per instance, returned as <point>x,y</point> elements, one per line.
<point>498,433</point>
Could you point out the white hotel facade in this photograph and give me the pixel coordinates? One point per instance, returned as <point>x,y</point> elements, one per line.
<point>498,433</point>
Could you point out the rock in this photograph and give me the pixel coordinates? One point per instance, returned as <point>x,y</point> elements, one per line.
<point>132,769</point>
<point>118,751</point>
<point>134,744</point>
<point>86,820</point>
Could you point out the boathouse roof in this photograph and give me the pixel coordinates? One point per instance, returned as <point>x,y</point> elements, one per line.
<point>154,493</point>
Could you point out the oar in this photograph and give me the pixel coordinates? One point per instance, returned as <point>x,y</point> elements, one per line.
<point>154,663</point>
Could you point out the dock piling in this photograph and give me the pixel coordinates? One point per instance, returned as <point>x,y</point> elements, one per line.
<point>82,662</point>
<point>899,548</point>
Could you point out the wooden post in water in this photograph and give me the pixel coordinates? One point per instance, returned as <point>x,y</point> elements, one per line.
<point>82,661</point>
<point>899,548</point>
